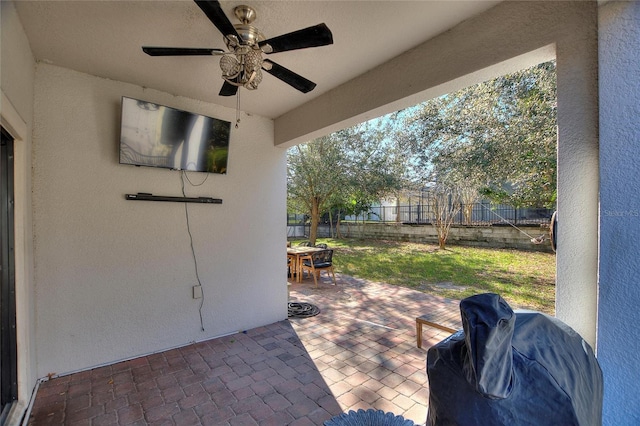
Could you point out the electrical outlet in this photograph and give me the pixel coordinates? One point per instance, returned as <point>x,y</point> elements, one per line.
<point>197,291</point>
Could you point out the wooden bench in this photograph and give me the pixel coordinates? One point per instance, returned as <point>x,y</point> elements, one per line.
<point>438,319</point>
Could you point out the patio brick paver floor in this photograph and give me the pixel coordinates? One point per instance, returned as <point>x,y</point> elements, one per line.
<point>359,352</point>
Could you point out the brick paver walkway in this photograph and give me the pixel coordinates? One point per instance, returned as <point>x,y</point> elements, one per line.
<point>359,352</point>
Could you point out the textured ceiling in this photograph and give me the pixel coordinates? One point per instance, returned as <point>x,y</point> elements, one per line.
<point>103,38</point>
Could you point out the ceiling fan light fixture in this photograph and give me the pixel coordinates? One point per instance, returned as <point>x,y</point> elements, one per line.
<point>230,66</point>
<point>254,80</point>
<point>253,60</point>
<point>242,69</point>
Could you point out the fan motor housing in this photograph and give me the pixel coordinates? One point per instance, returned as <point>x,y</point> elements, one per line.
<point>249,34</point>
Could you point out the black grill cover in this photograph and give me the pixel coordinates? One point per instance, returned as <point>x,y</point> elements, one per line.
<point>507,368</point>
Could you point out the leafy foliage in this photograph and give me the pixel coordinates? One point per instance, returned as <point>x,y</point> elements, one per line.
<point>347,170</point>
<point>498,137</point>
<point>316,171</point>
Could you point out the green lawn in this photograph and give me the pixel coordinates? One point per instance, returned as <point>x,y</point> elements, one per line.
<point>524,279</point>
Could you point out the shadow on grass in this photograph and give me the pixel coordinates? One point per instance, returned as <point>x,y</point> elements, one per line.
<point>524,279</point>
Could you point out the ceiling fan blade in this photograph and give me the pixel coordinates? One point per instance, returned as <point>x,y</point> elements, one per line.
<point>318,35</point>
<point>228,89</point>
<point>216,15</point>
<point>288,76</point>
<point>180,51</point>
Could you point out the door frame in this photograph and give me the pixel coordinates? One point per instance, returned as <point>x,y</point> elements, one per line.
<point>8,336</point>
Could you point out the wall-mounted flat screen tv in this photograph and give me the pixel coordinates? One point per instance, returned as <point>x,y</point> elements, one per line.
<point>159,136</point>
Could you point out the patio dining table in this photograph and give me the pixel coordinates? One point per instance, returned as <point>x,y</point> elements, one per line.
<point>298,252</point>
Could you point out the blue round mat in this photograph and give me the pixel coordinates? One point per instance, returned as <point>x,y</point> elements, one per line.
<point>368,418</point>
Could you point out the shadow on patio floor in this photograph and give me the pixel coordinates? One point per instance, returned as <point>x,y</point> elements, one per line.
<point>359,352</point>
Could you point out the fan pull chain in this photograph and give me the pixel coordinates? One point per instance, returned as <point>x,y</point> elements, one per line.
<point>238,107</point>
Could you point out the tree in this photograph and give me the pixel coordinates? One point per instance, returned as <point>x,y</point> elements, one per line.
<point>350,168</point>
<point>468,198</point>
<point>446,200</point>
<point>498,137</point>
<point>377,165</point>
<point>315,172</point>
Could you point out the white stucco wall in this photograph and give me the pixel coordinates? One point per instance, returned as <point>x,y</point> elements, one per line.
<point>114,277</point>
<point>619,281</point>
<point>17,71</point>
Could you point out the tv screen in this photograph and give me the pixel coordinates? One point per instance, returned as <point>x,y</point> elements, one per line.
<point>159,136</point>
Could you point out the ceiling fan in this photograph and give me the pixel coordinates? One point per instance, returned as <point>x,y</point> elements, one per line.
<point>243,63</point>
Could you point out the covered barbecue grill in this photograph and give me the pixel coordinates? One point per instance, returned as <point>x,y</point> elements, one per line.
<point>507,368</point>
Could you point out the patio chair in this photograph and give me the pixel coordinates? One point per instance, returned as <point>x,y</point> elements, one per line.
<point>315,262</point>
<point>292,267</point>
